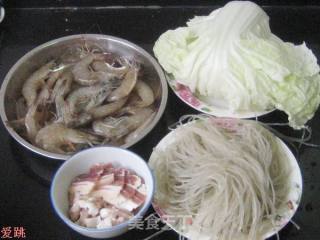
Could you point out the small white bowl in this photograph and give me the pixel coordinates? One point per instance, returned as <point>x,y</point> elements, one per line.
<point>81,163</point>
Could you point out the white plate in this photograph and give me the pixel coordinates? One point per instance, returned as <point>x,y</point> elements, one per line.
<point>215,109</point>
<point>284,215</point>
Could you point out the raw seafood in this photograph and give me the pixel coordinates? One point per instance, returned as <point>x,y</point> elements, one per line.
<point>145,93</point>
<point>126,86</point>
<point>35,82</point>
<point>84,76</point>
<point>66,104</point>
<point>107,109</point>
<point>116,128</point>
<point>56,136</point>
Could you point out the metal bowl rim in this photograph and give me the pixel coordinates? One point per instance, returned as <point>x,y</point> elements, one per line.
<point>57,156</point>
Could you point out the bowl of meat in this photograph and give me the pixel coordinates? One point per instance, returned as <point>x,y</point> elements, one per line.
<point>101,192</point>
<point>81,91</point>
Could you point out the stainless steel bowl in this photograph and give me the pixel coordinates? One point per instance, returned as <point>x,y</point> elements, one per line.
<point>12,84</point>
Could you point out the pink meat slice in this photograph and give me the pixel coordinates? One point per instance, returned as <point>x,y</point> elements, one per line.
<point>128,192</point>
<point>134,195</point>
<point>100,169</point>
<point>80,188</point>
<point>119,176</point>
<point>96,170</point>
<point>106,179</point>
<point>120,216</point>
<point>139,198</point>
<point>107,192</point>
<point>133,180</point>
<point>86,178</point>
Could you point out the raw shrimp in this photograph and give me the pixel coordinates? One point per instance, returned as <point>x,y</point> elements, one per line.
<point>133,135</point>
<point>103,66</point>
<point>86,98</point>
<point>87,87</point>
<point>37,112</point>
<point>21,108</point>
<point>32,122</point>
<point>132,110</point>
<point>61,89</point>
<point>61,113</point>
<point>73,54</point>
<point>84,76</point>
<point>70,119</point>
<point>116,128</point>
<point>62,86</point>
<point>127,85</point>
<point>83,99</point>
<point>53,77</point>
<point>35,82</point>
<point>145,93</point>
<point>34,116</point>
<point>107,109</point>
<point>60,139</point>
<point>77,119</point>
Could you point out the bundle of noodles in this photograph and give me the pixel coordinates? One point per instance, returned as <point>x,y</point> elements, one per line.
<point>231,176</point>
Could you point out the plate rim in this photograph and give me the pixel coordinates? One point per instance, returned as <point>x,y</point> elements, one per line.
<point>210,109</point>
<point>295,175</point>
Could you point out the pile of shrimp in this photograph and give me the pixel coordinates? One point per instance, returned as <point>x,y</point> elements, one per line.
<point>86,97</point>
